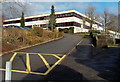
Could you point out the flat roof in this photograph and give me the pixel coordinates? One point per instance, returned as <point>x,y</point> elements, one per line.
<point>49,14</point>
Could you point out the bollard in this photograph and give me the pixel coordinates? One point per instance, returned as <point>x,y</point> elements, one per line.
<point>8,71</point>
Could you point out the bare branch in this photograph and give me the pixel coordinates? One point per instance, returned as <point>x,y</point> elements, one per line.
<point>13,9</point>
<point>90,12</point>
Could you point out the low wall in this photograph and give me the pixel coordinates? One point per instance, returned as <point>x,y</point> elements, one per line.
<point>103,41</point>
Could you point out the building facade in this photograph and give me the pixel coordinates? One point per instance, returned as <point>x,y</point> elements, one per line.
<point>64,19</point>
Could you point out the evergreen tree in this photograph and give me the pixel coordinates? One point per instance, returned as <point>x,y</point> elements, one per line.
<point>22,22</point>
<point>52,21</point>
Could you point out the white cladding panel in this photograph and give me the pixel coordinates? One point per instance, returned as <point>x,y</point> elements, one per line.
<point>78,30</point>
<point>66,19</point>
<point>58,20</point>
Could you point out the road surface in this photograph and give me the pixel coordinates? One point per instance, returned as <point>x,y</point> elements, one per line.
<point>61,46</point>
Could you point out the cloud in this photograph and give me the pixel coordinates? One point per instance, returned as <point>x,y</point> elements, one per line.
<point>44,7</point>
<point>74,0</point>
<point>36,8</point>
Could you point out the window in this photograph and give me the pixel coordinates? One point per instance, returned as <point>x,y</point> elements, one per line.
<point>29,19</point>
<point>33,19</point>
<point>67,24</point>
<point>66,14</point>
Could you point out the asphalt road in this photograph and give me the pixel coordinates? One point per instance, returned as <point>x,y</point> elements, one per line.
<point>61,46</point>
<point>86,62</point>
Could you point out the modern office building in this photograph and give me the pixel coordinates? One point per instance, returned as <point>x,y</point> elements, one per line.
<point>64,19</point>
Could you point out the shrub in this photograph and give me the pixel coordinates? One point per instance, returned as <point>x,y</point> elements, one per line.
<point>49,34</point>
<point>14,35</point>
<point>66,30</point>
<point>36,31</point>
<point>34,39</point>
<point>60,34</point>
<point>71,30</point>
<point>52,35</point>
<point>95,31</point>
<point>60,29</point>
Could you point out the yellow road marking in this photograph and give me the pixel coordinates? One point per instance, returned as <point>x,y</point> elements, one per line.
<point>28,62</point>
<point>44,60</point>
<point>19,71</point>
<point>37,73</point>
<point>28,69</point>
<point>13,57</point>
<point>51,54</point>
<point>39,53</point>
<point>55,65</point>
<point>16,71</point>
<point>2,69</point>
<point>79,42</point>
<point>57,56</point>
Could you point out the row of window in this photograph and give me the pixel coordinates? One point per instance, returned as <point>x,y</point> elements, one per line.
<point>87,27</point>
<point>41,18</point>
<point>47,17</point>
<point>68,24</point>
<point>62,24</point>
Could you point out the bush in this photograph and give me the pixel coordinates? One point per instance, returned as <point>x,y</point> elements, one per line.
<point>60,34</point>
<point>66,30</point>
<point>34,39</point>
<point>14,35</point>
<point>13,38</point>
<point>71,30</point>
<point>95,31</point>
<point>52,35</point>
<point>36,31</point>
<point>60,30</point>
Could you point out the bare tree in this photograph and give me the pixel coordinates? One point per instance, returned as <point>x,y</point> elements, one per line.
<point>109,21</point>
<point>13,9</point>
<point>113,23</point>
<point>105,19</point>
<point>90,12</point>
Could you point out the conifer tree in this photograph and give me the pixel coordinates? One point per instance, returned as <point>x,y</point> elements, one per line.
<point>52,21</point>
<point>22,22</point>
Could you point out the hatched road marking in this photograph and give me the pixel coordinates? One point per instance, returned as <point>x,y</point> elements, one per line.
<point>28,67</point>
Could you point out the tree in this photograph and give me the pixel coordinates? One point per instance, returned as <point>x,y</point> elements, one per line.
<point>13,8</point>
<point>90,12</point>
<point>113,23</point>
<point>106,19</point>
<point>22,22</point>
<point>52,21</point>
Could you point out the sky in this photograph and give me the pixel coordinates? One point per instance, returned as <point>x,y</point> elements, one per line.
<point>69,0</point>
<point>36,8</point>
